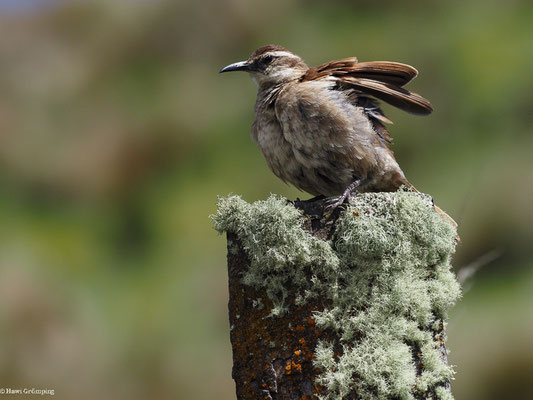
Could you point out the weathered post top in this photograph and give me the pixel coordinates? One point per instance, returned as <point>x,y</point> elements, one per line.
<point>353,308</point>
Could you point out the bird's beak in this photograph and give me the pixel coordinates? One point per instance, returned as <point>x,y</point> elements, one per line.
<point>238,66</point>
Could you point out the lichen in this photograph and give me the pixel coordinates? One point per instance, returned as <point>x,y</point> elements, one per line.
<point>386,273</point>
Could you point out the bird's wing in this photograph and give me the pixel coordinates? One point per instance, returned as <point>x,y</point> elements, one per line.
<point>394,95</point>
<point>325,69</point>
<point>380,79</point>
<point>371,108</point>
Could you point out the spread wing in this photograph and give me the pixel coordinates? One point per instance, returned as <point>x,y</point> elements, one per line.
<point>380,79</point>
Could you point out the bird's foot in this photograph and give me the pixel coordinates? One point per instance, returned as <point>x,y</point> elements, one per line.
<point>346,196</point>
<point>334,205</point>
<point>335,202</point>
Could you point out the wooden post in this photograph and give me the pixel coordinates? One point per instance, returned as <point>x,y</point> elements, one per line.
<point>350,307</point>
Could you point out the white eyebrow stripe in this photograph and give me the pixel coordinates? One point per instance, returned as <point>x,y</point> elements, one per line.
<point>282,54</point>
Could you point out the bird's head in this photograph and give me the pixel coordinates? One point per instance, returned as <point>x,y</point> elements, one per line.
<point>270,65</point>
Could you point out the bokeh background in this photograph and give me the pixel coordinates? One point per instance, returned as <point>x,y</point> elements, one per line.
<point>117,134</point>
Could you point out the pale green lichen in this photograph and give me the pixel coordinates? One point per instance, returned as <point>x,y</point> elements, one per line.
<point>387,274</point>
<point>279,250</point>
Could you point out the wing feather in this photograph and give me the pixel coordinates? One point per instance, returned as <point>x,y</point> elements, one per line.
<point>383,71</point>
<point>380,79</point>
<point>328,68</point>
<point>399,97</point>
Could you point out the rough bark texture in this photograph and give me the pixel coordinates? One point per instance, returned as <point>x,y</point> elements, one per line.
<point>273,355</point>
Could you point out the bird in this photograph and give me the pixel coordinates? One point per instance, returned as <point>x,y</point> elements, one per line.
<point>322,128</point>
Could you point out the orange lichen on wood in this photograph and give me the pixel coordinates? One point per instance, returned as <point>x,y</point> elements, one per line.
<point>272,356</point>
<point>296,366</point>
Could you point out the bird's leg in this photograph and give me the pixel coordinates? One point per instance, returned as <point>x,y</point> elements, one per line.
<point>335,202</point>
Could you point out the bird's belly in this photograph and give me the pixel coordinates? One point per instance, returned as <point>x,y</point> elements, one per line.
<point>316,172</point>
<point>277,151</point>
<point>323,172</point>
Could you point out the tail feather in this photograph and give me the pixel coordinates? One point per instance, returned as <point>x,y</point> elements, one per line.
<point>445,216</point>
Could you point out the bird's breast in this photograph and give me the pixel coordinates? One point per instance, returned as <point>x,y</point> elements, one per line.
<point>278,152</point>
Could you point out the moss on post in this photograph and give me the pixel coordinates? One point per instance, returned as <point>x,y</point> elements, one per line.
<point>350,309</point>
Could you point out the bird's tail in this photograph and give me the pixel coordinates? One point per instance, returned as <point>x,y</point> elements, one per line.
<point>444,216</point>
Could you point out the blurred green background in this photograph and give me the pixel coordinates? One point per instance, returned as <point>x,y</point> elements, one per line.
<point>117,134</point>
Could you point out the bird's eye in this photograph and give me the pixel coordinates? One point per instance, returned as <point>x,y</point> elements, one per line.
<point>268,59</point>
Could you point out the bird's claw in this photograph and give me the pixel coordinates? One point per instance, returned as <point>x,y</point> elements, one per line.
<point>332,204</point>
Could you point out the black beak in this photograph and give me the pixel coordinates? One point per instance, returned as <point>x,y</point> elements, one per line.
<point>238,66</point>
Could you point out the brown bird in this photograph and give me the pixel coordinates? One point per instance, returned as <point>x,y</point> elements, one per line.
<point>321,129</point>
